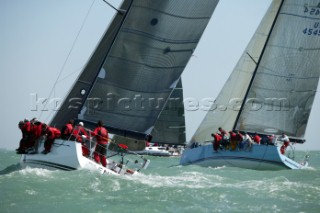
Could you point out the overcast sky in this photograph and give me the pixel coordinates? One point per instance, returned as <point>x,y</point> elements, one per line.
<point>40,39</point>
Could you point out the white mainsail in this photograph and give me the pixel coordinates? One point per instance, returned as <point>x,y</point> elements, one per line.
<point>271,89</point>
<point>227,105</point>
<point>286,80</point>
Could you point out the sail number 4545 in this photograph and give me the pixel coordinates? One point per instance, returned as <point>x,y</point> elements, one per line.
<point>315,30</point>
<point>311,31</point>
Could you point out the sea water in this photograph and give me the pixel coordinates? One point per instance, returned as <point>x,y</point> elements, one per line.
<point>162,187</point>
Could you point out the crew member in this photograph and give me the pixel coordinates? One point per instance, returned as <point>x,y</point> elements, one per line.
<point>22,143</point>
<point>225,138</point>
<point>256,138</point>
<point>285,139</point>
<point>247,141</point>
<point>239,140</point>
<point>216,141</point>
<point>37,132</point>
<point>80,134</point>
<point>66,131</point>
<point>100,152</point>
<point>52,134</point>
<point>27,131</point>
<point>148,139</point>
<point>233,140</point>
<point>271,139</point>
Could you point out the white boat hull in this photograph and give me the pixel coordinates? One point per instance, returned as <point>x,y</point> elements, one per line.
<point>261,157</point>
<point>158,151</point>
<point>67,155</point>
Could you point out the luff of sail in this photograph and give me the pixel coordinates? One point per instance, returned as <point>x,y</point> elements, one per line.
<point>143,64</point>
<point>285,82</point>
<point>226,107</point>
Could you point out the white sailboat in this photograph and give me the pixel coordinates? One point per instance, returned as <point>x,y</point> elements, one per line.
<point>270,91</point>
<point>132,81</point>
<point>163,151</point>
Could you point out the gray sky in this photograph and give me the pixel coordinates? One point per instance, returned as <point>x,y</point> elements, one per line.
<point>38,41</point>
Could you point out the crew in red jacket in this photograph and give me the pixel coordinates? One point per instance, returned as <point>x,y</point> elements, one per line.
<point>52,133</point>
<point>80,134</point>
<point>216,142</point>
<point>256,138</point>
<point>66,131</point>
<point>233,140</point>
<point>223,132</point>
<point>37,132</point>
<point>28,133</point>
<point>100,152</point>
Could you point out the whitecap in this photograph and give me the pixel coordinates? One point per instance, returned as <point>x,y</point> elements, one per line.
<point>37,171</point>
<point>31,192</point>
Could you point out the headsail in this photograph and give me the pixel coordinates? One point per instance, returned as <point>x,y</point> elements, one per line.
<point>227,105</point>
<point>285,82</point>
<point>138,64</point>
<point>170,126</point>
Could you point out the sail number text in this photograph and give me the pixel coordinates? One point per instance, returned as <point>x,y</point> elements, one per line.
<point>314,11</point>
<point>315,30</point>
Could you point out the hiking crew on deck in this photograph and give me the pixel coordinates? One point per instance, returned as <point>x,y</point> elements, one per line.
<point>100,152</point>
<point>66,131</point>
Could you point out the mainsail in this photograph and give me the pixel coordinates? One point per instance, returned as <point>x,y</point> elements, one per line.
<point>137,66</point>
<point>271,89</point>
<point>286,80</point>
<point>226,107</point>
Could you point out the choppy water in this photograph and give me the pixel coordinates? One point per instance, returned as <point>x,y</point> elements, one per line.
<point>163,187</point>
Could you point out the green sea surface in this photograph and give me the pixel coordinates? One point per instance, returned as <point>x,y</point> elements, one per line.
<point>163,187</point>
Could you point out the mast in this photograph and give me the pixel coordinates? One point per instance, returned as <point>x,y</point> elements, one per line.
<point>255,71</point>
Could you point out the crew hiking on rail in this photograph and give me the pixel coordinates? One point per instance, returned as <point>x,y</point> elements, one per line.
<point>236,140</point>
<point>34,131</point>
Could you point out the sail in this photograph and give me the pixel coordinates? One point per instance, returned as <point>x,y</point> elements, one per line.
<point>284,85</point>
<point>137,65</point>
<point>225,109</point>
<point>170,126</point>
